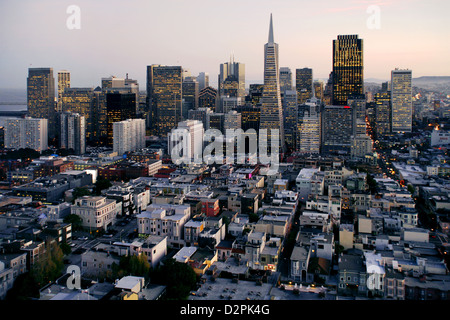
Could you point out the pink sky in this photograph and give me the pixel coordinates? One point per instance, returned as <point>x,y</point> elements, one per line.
<point>119,37</point>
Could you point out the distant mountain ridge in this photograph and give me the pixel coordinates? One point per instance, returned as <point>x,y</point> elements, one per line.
<point>432,79</point>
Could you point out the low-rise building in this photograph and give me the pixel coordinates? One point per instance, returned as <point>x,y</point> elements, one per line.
<point>96,212</point>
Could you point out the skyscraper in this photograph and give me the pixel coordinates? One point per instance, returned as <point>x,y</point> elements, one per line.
<point>164,94</point>
<point>128,135</point>
<point>63,82</point>
<point>336,129</point>
<point>250,115</point>
<point>190,95</point>
<point>208,98</point>
<point>232,79</point>
<point>310,132</point>
<point>348,68</point>
<point>285,79</point>
<point>194,144</point>
<point>79,100</point>
<point>382,113</point>
<point>26,132</point>
<point>119,107</point>
<point>203,80</point>
<point>72,134</point>
<point>290,114</point>
<point>401,100</point>
<point>319,89</point>
<point>358,104</point>
<point>271,107</point>
<point>303,84</point>
<point>41,97</point>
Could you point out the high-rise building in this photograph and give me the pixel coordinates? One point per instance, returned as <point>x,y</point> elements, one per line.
<point>232,120</point>
<point>200,114</point>
<point>401,100</point>
<point>250,115</point>
<point>362,145</point>
<point>194,144</point>
<point>72,132</point>
<point>285,79</point>
<point>203,80</point>
<point>80,100</point>
<point>208,98</point>
<point>63,82</point>
<point>41,97</point>
<point>382,102</point>
<point>119,107</point>
<point>310,131</point>
<point>271,108</point>
<point>190,95</point>
<point>337,129</point>
<point>255,93</point>
<point>99,118</point>
<point>229,103</point>
<point>290,114</point>
<point>232,79</point>
<point>215,121</point>
<point>128,135</point>
<point>319,89</point>
<point>358,104</point>
<point>127,85</point>
<point>26,132</point>
<point>164,94</point>
<point>303,84</point>
<point>348,68</point>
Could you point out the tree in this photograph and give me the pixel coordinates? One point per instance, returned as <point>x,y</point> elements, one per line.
<point>76,221</point>
<point>102,184</point>
<point>50,264</point>
<point>79,192</point>
<point>179,278</point>
<point>135,265</point>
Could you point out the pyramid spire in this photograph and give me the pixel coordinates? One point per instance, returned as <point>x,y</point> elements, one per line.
<point>271,30</point>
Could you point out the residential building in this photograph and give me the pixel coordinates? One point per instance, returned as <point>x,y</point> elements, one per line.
<point>96,212</point>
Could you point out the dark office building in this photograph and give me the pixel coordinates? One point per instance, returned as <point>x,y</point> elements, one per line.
<point>249,116</point>
<point>208,98</point>
<point>382,102</point>
<point>41,97</point>
<point>119,107</point>
<point>337,127</point>
<point>303,84</point>
<point>190,95</point>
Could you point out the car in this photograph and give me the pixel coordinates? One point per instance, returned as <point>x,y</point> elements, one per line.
<point>83,238</point>
<point>108,235</point>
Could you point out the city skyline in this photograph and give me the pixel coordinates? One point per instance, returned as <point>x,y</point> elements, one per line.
<point>118,38</point>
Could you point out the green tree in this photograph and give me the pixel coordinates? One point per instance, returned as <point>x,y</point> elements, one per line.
<point>66,249</point>
<point>50,264</point>
<point>79,192</point>
<point>135,265</point>
<point>75,220</point>
<point>101,184</point>
<point>179,278</point>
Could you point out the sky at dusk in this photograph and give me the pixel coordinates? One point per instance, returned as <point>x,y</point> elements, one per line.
<point>119,37</point>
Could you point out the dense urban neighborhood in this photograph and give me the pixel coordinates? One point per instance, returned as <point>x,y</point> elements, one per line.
<point>295,188</point>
